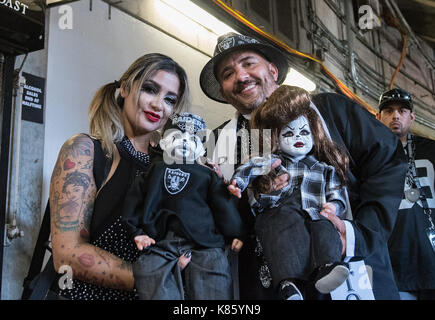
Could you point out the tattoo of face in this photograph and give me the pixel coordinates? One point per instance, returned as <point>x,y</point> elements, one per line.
<point>74,191</point>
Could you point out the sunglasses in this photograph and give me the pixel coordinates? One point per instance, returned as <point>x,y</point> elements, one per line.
<point>397,95</point>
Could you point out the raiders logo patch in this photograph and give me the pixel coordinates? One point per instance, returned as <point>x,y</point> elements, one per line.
<point>175,180</point>
<point>226,44</point>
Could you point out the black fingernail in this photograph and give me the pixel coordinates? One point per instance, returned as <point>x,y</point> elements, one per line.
<point>188,253</point>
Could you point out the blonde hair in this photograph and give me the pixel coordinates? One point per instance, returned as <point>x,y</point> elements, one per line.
<point>105,110</point>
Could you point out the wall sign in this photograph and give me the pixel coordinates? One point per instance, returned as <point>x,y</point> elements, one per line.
<point>33,98</point>
<point>22,26</point>
<point>16,5</point>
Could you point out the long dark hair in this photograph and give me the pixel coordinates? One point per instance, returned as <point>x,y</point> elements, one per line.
<point>288,103</point>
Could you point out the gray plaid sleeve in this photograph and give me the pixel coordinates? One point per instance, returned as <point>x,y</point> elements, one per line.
<point>255,167</point>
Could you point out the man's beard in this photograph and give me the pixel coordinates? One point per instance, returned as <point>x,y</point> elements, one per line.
<point>267,86</point>
<point>398,130</point>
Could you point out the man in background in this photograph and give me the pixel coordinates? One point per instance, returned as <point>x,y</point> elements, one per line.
<point>412,243</point>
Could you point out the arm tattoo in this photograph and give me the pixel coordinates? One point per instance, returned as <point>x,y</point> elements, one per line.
<point>87,260</point>
<point>76,147</point>
<point>73,186</point>
<point>73,193</point>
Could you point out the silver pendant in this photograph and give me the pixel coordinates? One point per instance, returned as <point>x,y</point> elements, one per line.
<point>431,235</point>
<point>265,277</point>
<point>412,194</point>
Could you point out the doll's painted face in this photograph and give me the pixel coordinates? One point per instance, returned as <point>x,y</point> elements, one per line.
<point>295,138</point>
<point>182,146</point>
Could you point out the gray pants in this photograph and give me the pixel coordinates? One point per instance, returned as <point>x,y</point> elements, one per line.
<point>157,275</point>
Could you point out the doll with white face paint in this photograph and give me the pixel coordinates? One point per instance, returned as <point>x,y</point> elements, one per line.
<point>299,244</point>
<point>295,138</point>
<point>182,206</point>
<point>181,147</point>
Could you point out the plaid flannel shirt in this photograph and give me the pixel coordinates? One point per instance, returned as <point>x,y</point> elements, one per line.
<point>317,182</point>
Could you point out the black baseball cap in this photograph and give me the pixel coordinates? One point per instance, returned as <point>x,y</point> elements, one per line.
<point>396,96</point>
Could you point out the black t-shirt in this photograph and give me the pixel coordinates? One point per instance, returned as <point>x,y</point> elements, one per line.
<point>412,257</point>
<point>191,193</point>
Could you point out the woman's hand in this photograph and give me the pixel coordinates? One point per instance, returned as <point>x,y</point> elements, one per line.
<point>184,260</point>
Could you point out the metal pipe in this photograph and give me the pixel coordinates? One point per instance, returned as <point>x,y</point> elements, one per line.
<point>13,231</point>
<point>15,151</point>
<point>338,45</point>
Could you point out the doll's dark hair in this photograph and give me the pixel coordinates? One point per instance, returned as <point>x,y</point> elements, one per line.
<point>286,104</point>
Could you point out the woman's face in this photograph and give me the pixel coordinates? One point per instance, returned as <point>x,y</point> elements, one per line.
<point>158,97</point>
<point>295,138</point>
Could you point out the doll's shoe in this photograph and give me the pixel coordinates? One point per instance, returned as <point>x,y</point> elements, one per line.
<point>331,276</point>
<point>289,291</point>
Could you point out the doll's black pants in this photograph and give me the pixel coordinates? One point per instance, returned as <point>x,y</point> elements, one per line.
<point>294,245</point>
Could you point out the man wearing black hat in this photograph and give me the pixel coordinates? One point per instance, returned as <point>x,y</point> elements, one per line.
<point>412,243</point>
<point>244,72</point>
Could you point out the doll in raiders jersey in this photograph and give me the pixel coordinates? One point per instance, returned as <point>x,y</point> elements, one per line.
<point>181,205</point>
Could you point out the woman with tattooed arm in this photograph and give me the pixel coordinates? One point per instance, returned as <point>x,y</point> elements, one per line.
<point>86,230</point>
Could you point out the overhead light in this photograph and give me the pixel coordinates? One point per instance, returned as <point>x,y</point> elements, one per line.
<point>199,15</point>
<point>295,78</point>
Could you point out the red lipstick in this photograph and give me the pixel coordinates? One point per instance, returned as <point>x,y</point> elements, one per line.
<point>153,117</point>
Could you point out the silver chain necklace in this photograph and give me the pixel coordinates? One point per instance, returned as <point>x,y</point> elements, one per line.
<point>415,185</point>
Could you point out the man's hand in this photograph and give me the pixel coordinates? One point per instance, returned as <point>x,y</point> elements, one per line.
<point>143,241</point>
<point>237,245</point>
<point>282,180</point>
<point>234,189</point>
<point>328,212</point>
